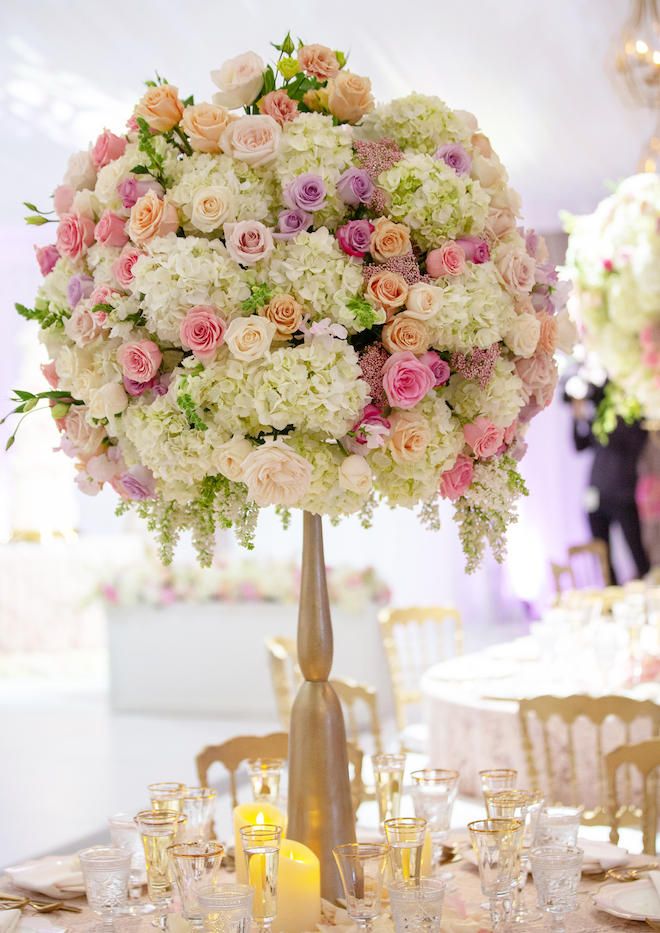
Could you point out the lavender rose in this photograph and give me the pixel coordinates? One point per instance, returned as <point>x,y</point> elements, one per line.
<point>456,157</point>
<point>355,237</point>
<point>138,482</point>
<point>475,249</point>
<point>355,186</point>
<point>306,192</point>
<point>437,365</point>
<point>131,189</point>
<point>80,286</point>
<point>291,223</point>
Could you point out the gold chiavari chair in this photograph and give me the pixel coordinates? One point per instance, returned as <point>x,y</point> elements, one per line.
<point>599,554</point>
<point>415,638</point>
<point>645,757</point>
<point>553,761</point>
<point>351,695</point>
<point>559,571</point>
<point>285,673</point>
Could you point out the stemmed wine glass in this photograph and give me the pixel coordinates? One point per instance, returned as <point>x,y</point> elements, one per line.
<point>497,845</point>
<point>362,869</point>
<point>434,792</point>
<point>556,871</point>
<point>159,830</point>
<point>105,873</point>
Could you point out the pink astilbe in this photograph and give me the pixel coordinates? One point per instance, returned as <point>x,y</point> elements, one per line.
<point>372,360</point>
<point>406,266</point>
<point>478,365</point>
<point>377,157</point>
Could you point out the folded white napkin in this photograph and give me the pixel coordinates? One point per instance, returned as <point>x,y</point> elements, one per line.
<point>601,856</point>
<point>58,877</point>
<point>9,920</point>
<point>655,878</point>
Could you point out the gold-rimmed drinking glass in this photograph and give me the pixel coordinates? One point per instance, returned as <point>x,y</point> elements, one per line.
<point>495,779</point>
<point>167,796</point>
<point>196,865</point>
<point>362,869</point>
<point>261,849</point>
<point>512,805</point>
<point>522,912</point>
<point>434,792</point>
<point>265,775</point>
<point>159,829</point>
<point>497,845</point>
<point>388,776</point>
<point>405,836</point>
<point>198,805</point>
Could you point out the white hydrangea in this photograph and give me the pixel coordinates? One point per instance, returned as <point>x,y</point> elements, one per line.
<point>418,121</point>
<point>179,272</point>
<point>475,310</point>
<point>317,273</point>
<point>99,263</point>
<point>433,200</point>
<point>500,401</point>
<point>325,496</point>
<point>54,287</point>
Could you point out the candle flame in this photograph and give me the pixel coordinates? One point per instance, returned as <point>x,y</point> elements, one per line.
<point>260,820</point>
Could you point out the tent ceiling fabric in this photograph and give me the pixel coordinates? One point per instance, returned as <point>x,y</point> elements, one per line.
<point>531,71</point>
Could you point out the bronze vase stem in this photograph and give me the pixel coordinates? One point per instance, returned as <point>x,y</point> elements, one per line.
<point>320,811</point>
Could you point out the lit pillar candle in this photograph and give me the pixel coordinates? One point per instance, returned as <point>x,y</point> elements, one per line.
<point>298,889</point>
<point>427,866</point>
<point>252,814</point>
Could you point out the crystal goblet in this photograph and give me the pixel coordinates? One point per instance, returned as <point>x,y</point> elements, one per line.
<point>167,796</point>
<point>497,779</point>
<point>556,871</point>
<point>195,864</point>
<point>388,775</point>
<point>198,804</point>
<point>362,869</point>
<point>417,905</point>
<point>124,834</point>
<point>497,845</point>
<point>405,836</point>
<point>105,872</point>
<point>226,908</point>
<point>265,775</point>
<point>558,826</point>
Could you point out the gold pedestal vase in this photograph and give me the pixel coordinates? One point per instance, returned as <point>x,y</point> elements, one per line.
<point>320,811</point>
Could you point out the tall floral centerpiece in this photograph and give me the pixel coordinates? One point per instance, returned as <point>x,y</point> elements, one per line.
<point>614,259</point>
<point>314,304</point>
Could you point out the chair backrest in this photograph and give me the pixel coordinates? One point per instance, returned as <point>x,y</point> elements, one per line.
<point>414,639</point>
<point>590,563</point>
<point>645,756</point>
<point>285,673</point>
<point>565,741</point>
<point>559,571</point>
<point>352,694</point>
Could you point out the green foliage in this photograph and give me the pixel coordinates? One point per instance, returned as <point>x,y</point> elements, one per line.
<point>37,220</point>
<point>615,404</point>
<point>146,145</point>
<point>140,170</point>
<point>363,311</point>
<point>44,316</point>
<point>287,47</point>
<point>261,295</point>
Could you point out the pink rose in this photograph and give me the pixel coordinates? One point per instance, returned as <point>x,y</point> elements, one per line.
<point>650,358</point>
<point>455,482</point>
<point>75,234</point>
<point>448,260</point>
<point>484,437</point>
<point>279,106</point>
<point>318,61</point>
<point>202,331</point>
<point>47,256</point>
<point>539,378</point>
<point>406,381</point>
<point>254,140</point>
<point>102,294</point>
<point>50,374</point>
<point>122,267</point>
<point>248,241</point>
<point>140,360</point>
<point>63,199</point>
<point>107,148</point>
<point>111,230</point>
<point>510,432</point>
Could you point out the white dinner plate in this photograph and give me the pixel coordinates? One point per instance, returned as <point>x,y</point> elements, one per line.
<point>42,874</point>
<point>631,900</point>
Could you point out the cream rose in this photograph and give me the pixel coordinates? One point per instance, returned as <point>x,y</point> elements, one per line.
<point>80,171</point>
<point>388,288</point>
<point>507,199</point>
<point>248,338</point>
<point>516,268</point>
<point>410,434</point>
<point>424,301</point>
<point>405,333</point>
<point>488,171</point>
<point>239,80</point>
<point>276,475</point>
<point>229,457</point>
<point>161,107</point>
<point>211,206</point>
<point>204,124</point>
<point>86,204</point>
<point>82,435</point>
<point>355,475</point>
<point>82,327</point>
<point>284,312</point>
<point>349,97</point>
<point>109,177</point>
<point>522,338</point>
<point>567,332</point>
<point>152,217</point>
<point>253,139</point>
<point>111,399</point>
<point>389,240</point>
<point>500,223</point>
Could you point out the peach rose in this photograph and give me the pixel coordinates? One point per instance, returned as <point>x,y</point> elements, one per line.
<point>389,239</point>
<point>424,301</point>
<point>276,475</point>
<point>284,312</point>
<point>152,217</point>
<point>522,338</point>
<point>349,97</point>
<point>507,199</point>
<point>388,288</point>
<point>516,268</point>
<point>539,377</point>
<point>500,223</point>
<point>405,333</point>
<point>318,61</point>
<point>229,457</point>
<point>279,106</point>
<point>482,143</point>
<point>410,434</point>
<point>161,107</point>
<point>489,172</point>
<point>549,332</point>
<point>252,139</point>
<point>211,207</point>
<point>248,338</point>
<point>567,333</point>
<point>355,475</point>
<point>204,124</point>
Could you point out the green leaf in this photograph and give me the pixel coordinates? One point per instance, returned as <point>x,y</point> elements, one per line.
<point>189,101</point>
<point>341,58</point>
<point>36,219</point>
<point>28,313</point>
<point>102,306</point>
<point>19,393</point>
<point>151,84</point>
<point>140,170</point>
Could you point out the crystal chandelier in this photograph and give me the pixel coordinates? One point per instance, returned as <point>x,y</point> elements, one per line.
<point>635,55</point>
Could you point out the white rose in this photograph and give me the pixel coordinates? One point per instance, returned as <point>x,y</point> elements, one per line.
<point>355,475</point>
<point>83,384</point>
<point>523,336</point>
<point>80,171</point>
<point>211,207</point>
<point>424,301</point>
<point>276,475</point>
<point>468,120</point>
<point>86,204</point>
<point>239,80</point>
<point>229,457</point>
<point>567,332</point>
<point>500,224</point>
<point>248,338</point>
<point>111,399</point>
<point>109,178</point>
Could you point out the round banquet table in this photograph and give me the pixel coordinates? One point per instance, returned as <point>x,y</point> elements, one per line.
<point>470,706</point>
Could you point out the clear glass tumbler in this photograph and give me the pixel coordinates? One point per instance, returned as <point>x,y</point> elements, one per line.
<point>417,905</point>
<point>497,845</point>
<point>198,806</point>
<point>434,792</point>
<point>556,871</point>
<point>226,908</point>
<point>124,834</point>
<point>388,775</point>
<point>265,775</point>
<point>105,872</point>
<point>558,826</point>
<point>159,830</point>
<point>362,868</point>
<point>405,837</point>
<point>261,848</point>
<point>195,864</point>
<point>167,796</point>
